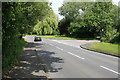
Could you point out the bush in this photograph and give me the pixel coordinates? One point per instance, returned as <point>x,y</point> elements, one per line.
<point>111,35</point>
<point>12,52</point>
<point>116,39</point>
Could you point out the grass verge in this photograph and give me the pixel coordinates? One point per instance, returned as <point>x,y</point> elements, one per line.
<point>105,47</point>
<point>62,37</point>
<point>11,53</point>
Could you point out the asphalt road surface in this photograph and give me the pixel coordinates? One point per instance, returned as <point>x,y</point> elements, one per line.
<point>67,61</point>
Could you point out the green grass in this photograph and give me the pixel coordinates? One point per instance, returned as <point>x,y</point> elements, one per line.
<point>62,37</point>
<point>11,53</point>
<point>105,47</point>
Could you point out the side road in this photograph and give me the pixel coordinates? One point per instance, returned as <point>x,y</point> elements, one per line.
<point>29,65</point>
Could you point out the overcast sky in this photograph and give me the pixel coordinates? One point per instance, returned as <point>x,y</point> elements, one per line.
<point>58,3</point>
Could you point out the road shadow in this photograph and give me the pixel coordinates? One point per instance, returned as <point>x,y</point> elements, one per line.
<point>29,65</point>
<point>51,62</point>
<point>38,44</point>
<point>30,45</point>
<point>33,64</point>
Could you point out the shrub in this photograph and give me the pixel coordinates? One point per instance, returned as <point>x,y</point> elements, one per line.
<point>110,35</point>
<point>12,52</point>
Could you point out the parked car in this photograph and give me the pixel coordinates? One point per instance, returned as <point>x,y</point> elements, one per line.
<point>37,38</point>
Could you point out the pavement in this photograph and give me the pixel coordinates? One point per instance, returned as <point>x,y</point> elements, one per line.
<point>64,59</point>
<point>28,66</point>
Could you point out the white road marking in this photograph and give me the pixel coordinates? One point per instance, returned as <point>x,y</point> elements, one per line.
<point>64,43</point>
<point>87,50</point>
<point>59,48</point>
<point>76,55</point>
<point>110,70</point>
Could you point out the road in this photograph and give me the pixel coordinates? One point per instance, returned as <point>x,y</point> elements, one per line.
<point>66,61</point>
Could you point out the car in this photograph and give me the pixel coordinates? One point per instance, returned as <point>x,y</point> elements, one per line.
<point>37,38</point>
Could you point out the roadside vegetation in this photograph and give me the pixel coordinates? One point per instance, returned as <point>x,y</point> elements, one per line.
<point>48,25</point>
<point>13,52</point>
<point>90,20</point>
<point>105,47</point>
<point>18,19</point>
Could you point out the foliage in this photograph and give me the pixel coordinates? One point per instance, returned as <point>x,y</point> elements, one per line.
<point>110,35</point>
<point>63,26</point>
<point>12,52</point>
<point>48,25</point>
<point>18,18</point>
<point>71,10</point>
<point>94,19</point>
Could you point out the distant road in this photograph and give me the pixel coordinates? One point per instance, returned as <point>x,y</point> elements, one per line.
<point>65,61</point>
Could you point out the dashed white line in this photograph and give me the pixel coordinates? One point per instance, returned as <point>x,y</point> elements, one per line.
<point>84,49</point>
<point>76,55</point>
<point>65,43</point>
<point>110,70</point>
<point>59,48</point>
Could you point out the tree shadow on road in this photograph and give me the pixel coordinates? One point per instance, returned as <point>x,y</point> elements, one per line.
<point>34,64</point>
<point>30,45</point>
<point>51,62</point>
<point>28,66</point>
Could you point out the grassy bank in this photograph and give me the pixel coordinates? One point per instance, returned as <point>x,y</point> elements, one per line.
<point>11,53</point>
<point>62,37</point>
<point>105,47</point>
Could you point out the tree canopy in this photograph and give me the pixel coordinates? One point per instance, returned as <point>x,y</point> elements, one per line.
<point>48,25</point>
<point>93,19</point>
<point>19,18</point>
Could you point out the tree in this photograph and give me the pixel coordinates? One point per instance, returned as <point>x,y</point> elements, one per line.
<point>70,11</point>
<point>30,14</point>
<point>17,19</point>
<point>50,23</point>
<point>98,19</point>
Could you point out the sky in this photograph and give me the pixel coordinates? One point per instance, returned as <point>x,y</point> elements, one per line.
<point>58,3</point>
<point>55,5</point>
